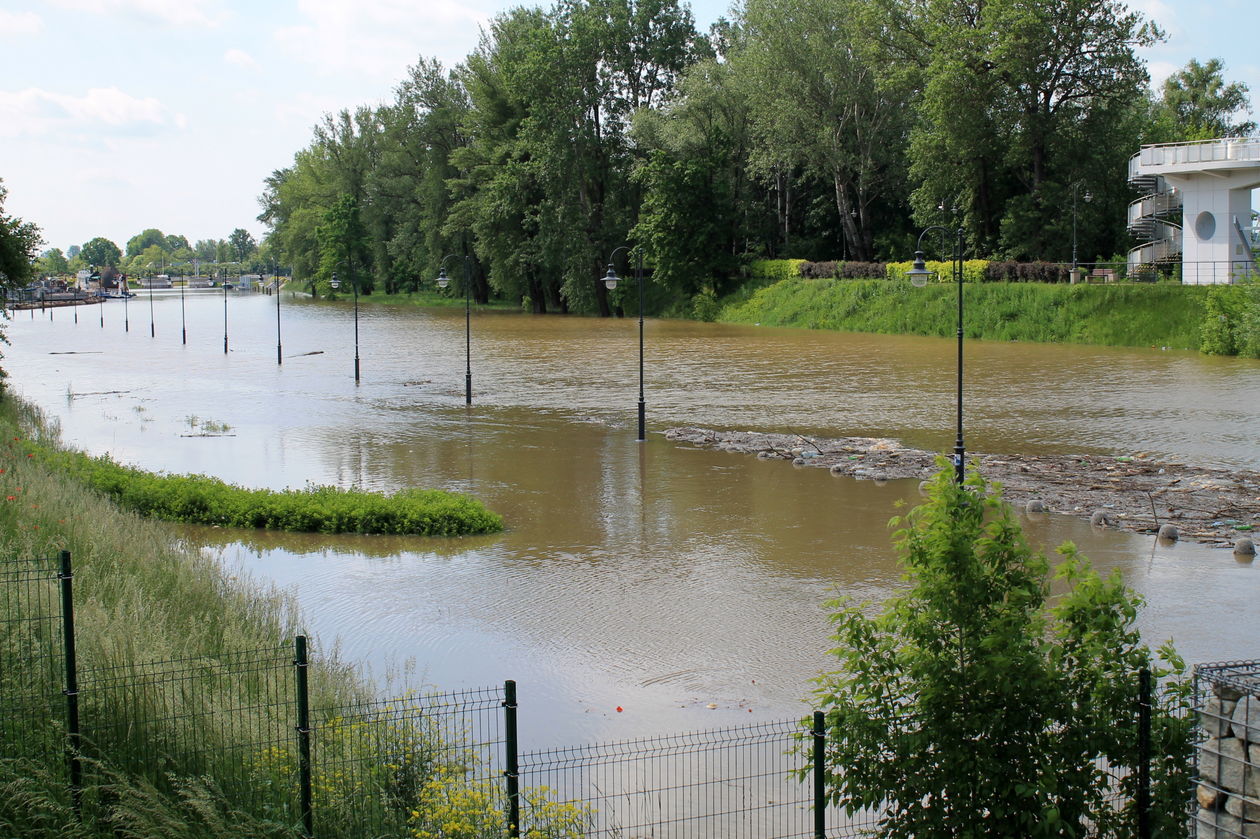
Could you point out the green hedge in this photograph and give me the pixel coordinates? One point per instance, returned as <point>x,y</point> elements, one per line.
<point>973,270</point>
<point>775,269</point>
<point>199,499</point>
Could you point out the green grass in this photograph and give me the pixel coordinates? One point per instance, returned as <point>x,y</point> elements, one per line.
<point>206,751</point>
<point>1128,315</point>
<point>199,499</point>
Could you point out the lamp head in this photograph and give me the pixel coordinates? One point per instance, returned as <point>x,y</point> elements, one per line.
<point>610,279</point>
<point>334,282</point>
<point>919,274</point>
<point>442,280</point>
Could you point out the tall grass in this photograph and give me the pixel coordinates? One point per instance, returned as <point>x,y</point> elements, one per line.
<point>1110,315</point>
<point>186,678</point>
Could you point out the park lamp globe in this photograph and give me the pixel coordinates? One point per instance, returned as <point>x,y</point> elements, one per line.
<point>334,282</point>
<point>610,279</point>
<point>442,280</point>
<point>919,274</point>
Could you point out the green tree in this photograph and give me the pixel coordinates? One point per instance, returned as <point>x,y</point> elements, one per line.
<point>824,103</point>
<point>343,244</point>
<point>1015,96</point>
<point>102,253</point>
<point>53,261</point>
<point>242,242</point>
<point>19,243</point>
<point>145,239</point>
<point>1200,104</point>
<point>972,708</point>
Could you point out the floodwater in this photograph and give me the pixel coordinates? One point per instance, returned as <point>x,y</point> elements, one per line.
<point>651,577</point>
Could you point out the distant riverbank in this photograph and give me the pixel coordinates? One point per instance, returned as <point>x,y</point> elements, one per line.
<point>1118,315</point>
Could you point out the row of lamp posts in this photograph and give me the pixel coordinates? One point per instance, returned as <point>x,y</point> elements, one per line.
<point>918,274</point>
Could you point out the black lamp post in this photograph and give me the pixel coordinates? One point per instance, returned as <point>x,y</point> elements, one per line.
<point>183,323</point>
<point>275,276</point>
<point>336,284</point>
<point>1088,197</point>
<point>152,329</point>
<point>919,276</point>
<point>126,293</point>
<point>225,291</point>
<point>610,280</point>
<point>442,282</point>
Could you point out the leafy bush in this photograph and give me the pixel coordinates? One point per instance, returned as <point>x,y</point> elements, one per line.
<point>1010,271</point>
<point>775,270</point>
<point>818,270</point>
<point>200,499</point>
<point>863,270</point>
<point>973,270</point>
<point>1231,320</point>
<point>972,707</point>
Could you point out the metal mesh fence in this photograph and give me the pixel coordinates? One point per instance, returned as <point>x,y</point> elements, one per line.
<point>376,766</point>
<point>732,782</point>
<point>231,719</point>
<point>32,665</point>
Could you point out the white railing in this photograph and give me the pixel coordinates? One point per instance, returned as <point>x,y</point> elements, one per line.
<point>1153,205</point>
<point>1210,151</point>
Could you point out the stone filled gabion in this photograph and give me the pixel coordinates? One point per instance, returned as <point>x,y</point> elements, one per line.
<point>1169,532</point>
<point>1036,505</point>
<point>1227,789</point>
<point>1245,547</point>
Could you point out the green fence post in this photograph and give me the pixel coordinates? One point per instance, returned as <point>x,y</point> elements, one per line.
<point>820,775</point>
<point>73,734</point>
<point>304,738</point>
<point>512,769</point>
<point>1144,755</point>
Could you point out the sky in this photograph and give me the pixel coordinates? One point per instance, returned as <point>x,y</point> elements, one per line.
<point>121,115</point>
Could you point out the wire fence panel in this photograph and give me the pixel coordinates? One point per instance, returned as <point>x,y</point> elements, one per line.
<point>389,768</point>
<point>32,664</point>
<point>734,782</point>
<point>1227,754</point>
<point>231,719</point>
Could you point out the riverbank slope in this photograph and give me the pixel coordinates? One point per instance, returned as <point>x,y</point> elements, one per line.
<point>1120,314</point>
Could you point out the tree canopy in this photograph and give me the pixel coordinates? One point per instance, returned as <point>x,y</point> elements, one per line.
<point>815,129</point>
<point>19,243</point>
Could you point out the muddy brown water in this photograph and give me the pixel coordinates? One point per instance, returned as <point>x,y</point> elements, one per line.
<point>655,577</point>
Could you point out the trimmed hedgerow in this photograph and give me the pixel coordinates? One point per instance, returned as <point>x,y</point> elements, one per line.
<point>200,499</point>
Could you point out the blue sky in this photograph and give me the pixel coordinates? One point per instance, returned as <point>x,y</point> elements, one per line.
<point>118,115</point>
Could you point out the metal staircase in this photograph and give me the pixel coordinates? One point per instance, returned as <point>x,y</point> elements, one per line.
<point>1154,220</point>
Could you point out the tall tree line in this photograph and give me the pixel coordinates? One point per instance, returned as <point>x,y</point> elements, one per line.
<point>816,129</point>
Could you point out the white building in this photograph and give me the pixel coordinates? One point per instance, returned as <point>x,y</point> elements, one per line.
<point>1210,184</point>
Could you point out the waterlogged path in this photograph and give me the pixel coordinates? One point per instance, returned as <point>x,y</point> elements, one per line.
<point>657,577</point>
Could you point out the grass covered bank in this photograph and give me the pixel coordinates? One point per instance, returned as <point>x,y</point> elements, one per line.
<point>1120,315</point>
<point>199,499</point>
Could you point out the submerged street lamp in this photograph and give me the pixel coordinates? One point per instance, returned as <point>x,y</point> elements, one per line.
<point>336,284</point>
<point>610,282</point>
<point>225,291</point>
<point>442,282</point>
<point>275,278</point>
<point>919,275</point>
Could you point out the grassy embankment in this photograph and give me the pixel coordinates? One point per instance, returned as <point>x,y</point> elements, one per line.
<point>218,762</point>
<point>198,499</point>
<point>1125,315</point>
<point>141,596</point>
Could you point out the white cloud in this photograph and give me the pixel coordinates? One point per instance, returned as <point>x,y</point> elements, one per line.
<point>101,112</point>
<point>172,12</point>
<point>380,38</point>
<point>240,58</point>
<point>1159,71</point>
<point>1160,12</point>
<point>20,23</point>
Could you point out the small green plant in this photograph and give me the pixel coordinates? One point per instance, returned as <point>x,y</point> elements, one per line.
<point>970,707</point>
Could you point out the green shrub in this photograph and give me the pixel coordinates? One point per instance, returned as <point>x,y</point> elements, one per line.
<point>973,270</point>
<point>775,269</point>
<point>971,706</point>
